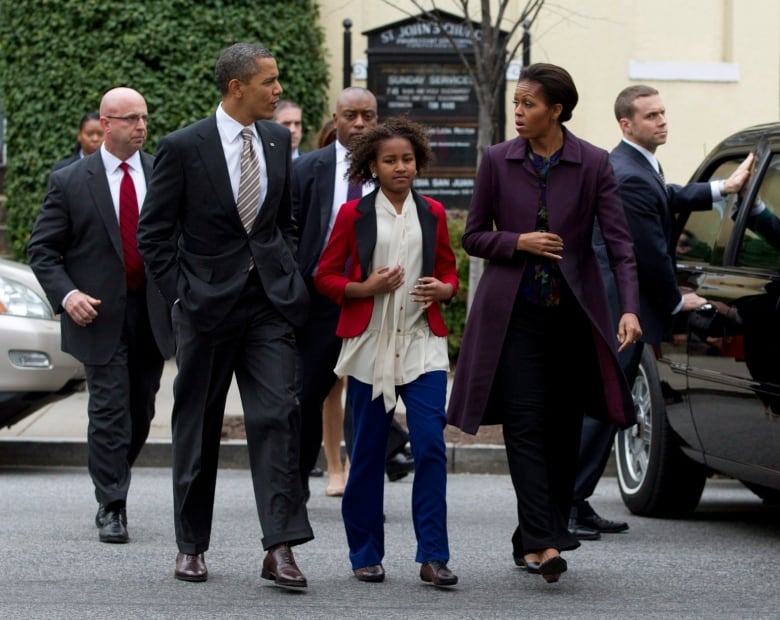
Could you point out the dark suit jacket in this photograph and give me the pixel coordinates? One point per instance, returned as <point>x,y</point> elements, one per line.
<point>649,205</point>
<point>312,199</point>
<point>66,162</point>
<point>581,189</point>
<point>76,244</point>
<point>352,243</point>
<point>190,196</point>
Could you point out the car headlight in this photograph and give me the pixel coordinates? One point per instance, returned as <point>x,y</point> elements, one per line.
<point>16,299</point>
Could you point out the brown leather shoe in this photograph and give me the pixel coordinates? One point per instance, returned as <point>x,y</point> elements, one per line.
<point>374,573</point>
<point>279,566</point>
<point>437,573</point>
<point>191,567</point>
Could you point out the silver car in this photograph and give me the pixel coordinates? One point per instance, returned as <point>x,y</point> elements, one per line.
<point>33,369</point>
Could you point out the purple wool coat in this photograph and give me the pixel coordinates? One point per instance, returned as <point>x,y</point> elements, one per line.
<point>581,189</point>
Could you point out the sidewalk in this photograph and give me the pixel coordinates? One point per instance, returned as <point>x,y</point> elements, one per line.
<point>56,436</point>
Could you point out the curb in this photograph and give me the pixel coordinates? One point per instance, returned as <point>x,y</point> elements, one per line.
<point>233,454</point>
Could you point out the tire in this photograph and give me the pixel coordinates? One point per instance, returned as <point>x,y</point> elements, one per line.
<point>655,478</point>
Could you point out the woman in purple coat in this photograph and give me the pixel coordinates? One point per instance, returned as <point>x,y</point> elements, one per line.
<point>539,348</point>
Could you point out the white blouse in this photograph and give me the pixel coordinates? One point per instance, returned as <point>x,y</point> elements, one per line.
<point>398,345</point>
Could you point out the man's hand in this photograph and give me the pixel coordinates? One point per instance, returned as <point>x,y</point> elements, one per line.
<point>739,177</point>
<point>81,308</point>
<point>691,301</point>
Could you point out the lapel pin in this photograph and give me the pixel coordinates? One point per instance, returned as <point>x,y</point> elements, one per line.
<point>273,144</point>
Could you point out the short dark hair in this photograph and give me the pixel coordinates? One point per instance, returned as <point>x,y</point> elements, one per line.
<point>238,62</point>
<point>285,104</point>
<point>557,86</point>
<point>365,147</point>
<point>624,104</point>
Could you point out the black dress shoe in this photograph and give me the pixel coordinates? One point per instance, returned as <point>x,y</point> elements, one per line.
<point>279,566</point>
<point>113,526</point>
<point>316,473</point>
<point>398,466</point>
<point>191,567</point>
<point>551,569</point>
<point>600,524</point>
<point>582,532</point>
<point>531,567</point>
<point>100,516</point>
<point>372,574</point>
<point>437,573</point>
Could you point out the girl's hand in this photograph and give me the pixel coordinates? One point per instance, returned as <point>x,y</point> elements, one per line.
<point>545,244</point>
<point>429,290</point>
<point>384,280</point>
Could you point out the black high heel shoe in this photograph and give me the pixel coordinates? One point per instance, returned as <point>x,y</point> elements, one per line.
<point>551,569</point>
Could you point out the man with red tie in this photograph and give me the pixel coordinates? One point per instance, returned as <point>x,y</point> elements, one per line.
<point>84,252</point>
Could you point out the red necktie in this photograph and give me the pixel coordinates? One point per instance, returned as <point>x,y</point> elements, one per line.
<point>128,228</point>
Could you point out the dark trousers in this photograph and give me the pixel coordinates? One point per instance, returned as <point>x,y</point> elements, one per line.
<point>318,352</point>
<point>596,442</point>
<point>257,344</point>
<point>541,386</point>
<point>362,505</point>
<point>121,403</point>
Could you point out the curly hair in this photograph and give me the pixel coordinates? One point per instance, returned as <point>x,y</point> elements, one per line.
<point>365,147</point>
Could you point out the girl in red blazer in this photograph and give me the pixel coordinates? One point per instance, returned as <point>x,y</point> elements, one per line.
<point>389,264</point>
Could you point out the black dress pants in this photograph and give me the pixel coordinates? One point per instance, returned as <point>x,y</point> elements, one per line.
<point>542,386</point>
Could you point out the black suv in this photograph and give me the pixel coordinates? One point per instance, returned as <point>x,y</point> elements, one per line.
<point>709,400</point>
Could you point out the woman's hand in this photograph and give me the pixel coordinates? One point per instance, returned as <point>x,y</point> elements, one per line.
<point>545,244</point>
<point>629,330</point>
<point>429,290</point>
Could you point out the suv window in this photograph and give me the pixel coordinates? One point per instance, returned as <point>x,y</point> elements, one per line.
<point>706,233</point>
<point>760,246</point>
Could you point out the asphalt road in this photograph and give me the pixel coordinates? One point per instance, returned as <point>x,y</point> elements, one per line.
<point>722,563</point>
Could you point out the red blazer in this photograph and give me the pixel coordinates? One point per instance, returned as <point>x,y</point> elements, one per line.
<point>350,249</point>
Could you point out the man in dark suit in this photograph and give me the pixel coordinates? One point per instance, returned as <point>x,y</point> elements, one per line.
<point>649,204</point>
<point>222,185</point>
<point>115,321</point>
<point>320,187</point>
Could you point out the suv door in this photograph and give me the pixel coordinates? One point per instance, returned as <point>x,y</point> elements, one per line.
<point>731,256</point>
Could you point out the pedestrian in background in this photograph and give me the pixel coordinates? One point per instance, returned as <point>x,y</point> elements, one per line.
<point>389,264</point>
<point>89,137</point>
<point>539,344</point>
<point>218,235</point>
<point>84,253</point>
<point>649,204</point>
<point>289,114</point>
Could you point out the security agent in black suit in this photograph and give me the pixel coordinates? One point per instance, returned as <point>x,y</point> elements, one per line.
<point>319,189</point>
<point>649,204</point>
<point>236,295</point>
<point>116,323</point>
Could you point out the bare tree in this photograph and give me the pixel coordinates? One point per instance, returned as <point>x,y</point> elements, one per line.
<point>492,52</point>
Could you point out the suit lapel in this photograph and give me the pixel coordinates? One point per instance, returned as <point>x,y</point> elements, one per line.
<point>97,185</point>
<point>365,232</point>
<point>210,150</point>
<point>325,173</point>
<point>428,226</point>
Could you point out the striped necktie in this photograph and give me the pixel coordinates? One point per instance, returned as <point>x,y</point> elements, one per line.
<point>249,182</point>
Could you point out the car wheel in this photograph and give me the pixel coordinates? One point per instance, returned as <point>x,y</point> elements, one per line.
<point>656,479</point>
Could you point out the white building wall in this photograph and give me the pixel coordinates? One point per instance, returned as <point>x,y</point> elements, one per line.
<point>716,63</point>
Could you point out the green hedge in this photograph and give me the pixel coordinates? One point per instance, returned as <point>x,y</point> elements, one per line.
<point>58,57</point>
<point>455,311</point>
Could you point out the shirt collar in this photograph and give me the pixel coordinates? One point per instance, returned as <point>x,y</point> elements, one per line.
<point>111,162</point>
<point>650,157</point>
<point>229,126</point>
